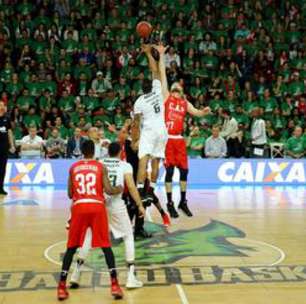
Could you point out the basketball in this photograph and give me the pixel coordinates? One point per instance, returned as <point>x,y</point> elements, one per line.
<point>144,29</point>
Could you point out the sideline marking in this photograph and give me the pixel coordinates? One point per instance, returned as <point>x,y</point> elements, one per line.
<point>182,294</point>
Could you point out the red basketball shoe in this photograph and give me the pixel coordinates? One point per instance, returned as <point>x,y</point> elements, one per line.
<point>166,220</point>
<point>116,290</point>
<point>62,293</point>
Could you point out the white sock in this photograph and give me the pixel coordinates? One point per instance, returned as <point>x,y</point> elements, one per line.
<point>129,247</point>
<point>131,268</point>
<point>84,250</point>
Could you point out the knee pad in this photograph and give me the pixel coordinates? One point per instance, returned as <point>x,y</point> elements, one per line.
<point>183,174</point>
<point>169,174</point>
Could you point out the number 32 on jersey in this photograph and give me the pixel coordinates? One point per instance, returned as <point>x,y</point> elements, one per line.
<point>86,183</point>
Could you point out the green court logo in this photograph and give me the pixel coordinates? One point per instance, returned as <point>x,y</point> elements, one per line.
<point>216,243</point>
<point>165,248</point>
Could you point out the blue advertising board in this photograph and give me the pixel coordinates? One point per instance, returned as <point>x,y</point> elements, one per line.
<point>202,171</point>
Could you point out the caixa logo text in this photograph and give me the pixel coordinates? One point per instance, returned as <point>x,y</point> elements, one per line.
<point>262,172</point>
<point>29,173</point>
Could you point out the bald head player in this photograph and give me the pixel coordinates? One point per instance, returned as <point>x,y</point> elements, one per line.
<point>176,109</point>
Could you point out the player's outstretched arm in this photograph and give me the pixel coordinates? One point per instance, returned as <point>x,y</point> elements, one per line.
<point>108,188</point>
<point>196,112</point>
<point>129,181</point>
<point>146,48</point>
<point>162,69</point>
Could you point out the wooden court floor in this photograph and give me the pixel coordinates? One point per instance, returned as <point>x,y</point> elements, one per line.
<point>243,245</point>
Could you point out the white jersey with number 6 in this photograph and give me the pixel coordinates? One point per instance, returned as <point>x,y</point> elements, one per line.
<point>153,134</point>
<point>151,107</point>
<point>116,171</point>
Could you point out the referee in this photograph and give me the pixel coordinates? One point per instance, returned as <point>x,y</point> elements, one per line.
<point>6,143</point>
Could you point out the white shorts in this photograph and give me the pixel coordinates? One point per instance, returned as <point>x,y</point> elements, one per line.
<point>120,223</point>
<point>152,143</point>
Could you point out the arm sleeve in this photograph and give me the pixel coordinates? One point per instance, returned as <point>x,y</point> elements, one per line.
<point>156,86</point>
<point>138,107</point>
<point>128,169</point>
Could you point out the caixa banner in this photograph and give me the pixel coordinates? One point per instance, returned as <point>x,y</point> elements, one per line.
<point>201,171</point>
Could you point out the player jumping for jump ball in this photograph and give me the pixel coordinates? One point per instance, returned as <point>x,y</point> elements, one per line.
<point>119,173</point>
<point>176,109</point>
<point>149,119</point>
<point>88,179</point>
<point>129,151</point>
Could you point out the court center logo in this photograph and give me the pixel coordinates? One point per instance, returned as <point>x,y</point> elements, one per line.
<point>216,242</point>
<point>216,253</point>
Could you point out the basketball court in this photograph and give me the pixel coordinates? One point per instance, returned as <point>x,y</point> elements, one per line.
<point>243,245</point>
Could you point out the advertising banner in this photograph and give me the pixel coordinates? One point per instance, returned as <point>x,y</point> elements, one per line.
<point>201,172</point>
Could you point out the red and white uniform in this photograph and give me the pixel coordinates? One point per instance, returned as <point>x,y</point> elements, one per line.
<point>88,210</point>
<point>176,150</point>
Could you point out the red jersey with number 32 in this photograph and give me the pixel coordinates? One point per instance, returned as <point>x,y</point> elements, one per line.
<point>87,181</point>
<point>175,113</point>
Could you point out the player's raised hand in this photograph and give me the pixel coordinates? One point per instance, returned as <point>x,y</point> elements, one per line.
<point>142,211</point>
<point>162,49</point>
<point>146,48</point>
<point>206,111</point>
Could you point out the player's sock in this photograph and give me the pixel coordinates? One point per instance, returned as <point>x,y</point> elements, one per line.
<point>67,263</point>
<point>183,196</point>
<point>76,274</point>
<point>64,275</point>
<point>80,262</point>
<point>140,186</point>
<point>131,266</point>
<point>141,189</point>
<point>129,247</point>
<point>157,205</point>
<point>169,197</point>
<point>110,261</point>
<point>132,281</point>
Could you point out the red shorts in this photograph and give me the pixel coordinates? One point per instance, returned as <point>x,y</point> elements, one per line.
<point>89,215</point>
<point>176,153</point>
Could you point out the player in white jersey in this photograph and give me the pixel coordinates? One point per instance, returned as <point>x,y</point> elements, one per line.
<point>149,119</point>
<point>119,173</point>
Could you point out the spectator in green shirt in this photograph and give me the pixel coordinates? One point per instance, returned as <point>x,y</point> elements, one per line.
<point>25,101</point>
<point>268,103</point>
<point>32,119</point>
<point>296,87</point>
<point>14,87</point>
<point>62,129</point>
<point>195,143</point>
<point>296,146</point>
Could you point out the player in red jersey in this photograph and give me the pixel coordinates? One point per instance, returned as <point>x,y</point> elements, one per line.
<point>176,109</point>
<point>88,179</point>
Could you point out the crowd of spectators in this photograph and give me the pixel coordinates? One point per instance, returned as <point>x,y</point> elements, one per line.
<point>67,66</point>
